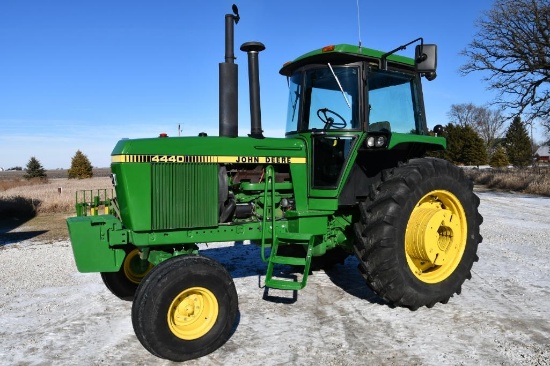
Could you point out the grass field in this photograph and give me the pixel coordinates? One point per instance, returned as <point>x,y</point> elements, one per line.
<point>41,206</point>
<point>19,196</point>
<point>527,180</point>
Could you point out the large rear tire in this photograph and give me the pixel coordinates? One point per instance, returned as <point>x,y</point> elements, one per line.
<point>419,232</point>
<point>185,308</point>
<point>123,284</point>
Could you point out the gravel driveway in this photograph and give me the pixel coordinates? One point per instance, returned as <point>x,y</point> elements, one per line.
<point>51,314</point>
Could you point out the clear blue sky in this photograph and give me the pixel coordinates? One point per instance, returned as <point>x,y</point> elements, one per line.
<point>83,74</point>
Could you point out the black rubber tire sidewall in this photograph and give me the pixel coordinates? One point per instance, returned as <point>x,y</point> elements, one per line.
<point>157,291</point>
<point>119,284</point>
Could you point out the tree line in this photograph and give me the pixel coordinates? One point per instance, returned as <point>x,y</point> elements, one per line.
<point>80,168</point>
<point>478,136</point>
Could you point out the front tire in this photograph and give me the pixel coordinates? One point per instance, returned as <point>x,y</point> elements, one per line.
<point>123,284</point>
<point>185,308</point>
<point>419,232</point>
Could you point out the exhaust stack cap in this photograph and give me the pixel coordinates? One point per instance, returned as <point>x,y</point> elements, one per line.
<point>252,47</point>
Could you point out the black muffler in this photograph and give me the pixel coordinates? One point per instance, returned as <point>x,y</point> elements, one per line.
<point>228,89</point>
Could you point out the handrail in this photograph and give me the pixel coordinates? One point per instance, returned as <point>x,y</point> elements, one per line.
<point>269,180</point>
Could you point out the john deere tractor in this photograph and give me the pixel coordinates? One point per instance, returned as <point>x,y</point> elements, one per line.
<point>349,178</point>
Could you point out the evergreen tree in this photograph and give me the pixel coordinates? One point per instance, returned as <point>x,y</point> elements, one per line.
<point>80,166</point>
<point>518,144</point>
<point>499,158</point>
<point>34,169</point>
<point>464,146</point>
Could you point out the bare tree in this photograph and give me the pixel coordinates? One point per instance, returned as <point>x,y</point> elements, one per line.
<point>463,114</point>
<point>489,124</point>
<point>512,49</point>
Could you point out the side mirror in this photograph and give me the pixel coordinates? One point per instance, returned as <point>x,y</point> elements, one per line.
<point>426,60</point>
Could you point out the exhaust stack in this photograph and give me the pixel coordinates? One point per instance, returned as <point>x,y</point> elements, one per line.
<point>228,88</point>
<point>253,49</point>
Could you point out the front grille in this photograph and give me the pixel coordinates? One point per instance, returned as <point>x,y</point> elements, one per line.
<point>184,195</point>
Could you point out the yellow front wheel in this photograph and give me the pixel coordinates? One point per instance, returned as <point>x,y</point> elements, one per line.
<point>192,313</point>
<point>185,309</point>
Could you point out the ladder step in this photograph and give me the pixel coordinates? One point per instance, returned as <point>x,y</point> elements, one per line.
<point>283,285</point>
<point>304,238</point>
<point>293,261</point>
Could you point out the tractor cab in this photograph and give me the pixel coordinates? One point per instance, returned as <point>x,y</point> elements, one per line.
<point>344,98</point>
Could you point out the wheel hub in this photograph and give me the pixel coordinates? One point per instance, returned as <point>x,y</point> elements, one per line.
<point>192,313</point>
<point>435,238</point>
<point>429,234</point>
<point>135,268</point>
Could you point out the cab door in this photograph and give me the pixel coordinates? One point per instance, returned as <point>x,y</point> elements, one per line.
<point>333,116</point>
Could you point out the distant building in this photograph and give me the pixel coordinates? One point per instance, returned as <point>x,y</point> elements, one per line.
<point>543,154</point>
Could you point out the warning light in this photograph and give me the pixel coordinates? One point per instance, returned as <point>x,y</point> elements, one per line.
<point>328,48</point>
<point>163,135</point>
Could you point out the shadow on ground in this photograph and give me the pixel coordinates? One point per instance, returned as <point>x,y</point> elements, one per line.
<point>15,212</point>
<point>245,261</point>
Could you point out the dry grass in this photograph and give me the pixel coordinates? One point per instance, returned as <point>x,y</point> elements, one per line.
<point>6,184</point>
<point>20,197</point>
<point>528,180</point>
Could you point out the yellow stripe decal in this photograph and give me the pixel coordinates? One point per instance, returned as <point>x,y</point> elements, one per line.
<point>207,159</point>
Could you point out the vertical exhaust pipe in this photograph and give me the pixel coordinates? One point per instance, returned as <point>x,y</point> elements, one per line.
<point>253,49</point>
<point>228,88</point>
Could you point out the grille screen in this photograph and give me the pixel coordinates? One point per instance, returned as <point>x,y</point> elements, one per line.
<point>184,196</point>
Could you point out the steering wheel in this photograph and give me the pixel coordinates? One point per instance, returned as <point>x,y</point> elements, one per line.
<point>329,121</point>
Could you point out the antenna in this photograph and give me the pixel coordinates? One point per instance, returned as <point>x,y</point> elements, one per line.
<point>359,24</point>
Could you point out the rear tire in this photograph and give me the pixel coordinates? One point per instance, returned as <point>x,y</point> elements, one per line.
<point>123,284</point>
<point>185,308</point>
<point>419,232</point>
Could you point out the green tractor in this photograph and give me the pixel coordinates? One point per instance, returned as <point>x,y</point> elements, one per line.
<point>349,178</point>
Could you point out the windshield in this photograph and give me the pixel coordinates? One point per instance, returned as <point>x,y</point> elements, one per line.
<point>324,98</point>
<point>393,105</point>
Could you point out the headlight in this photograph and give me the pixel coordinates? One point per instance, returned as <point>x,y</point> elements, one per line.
<point>379,141</point>
<point>370,141</point>
<point>376,141</point>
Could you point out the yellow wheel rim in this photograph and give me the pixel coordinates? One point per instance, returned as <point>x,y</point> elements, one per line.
<point>436,235</point>
<point>134,268</point>
<point>193,313</point>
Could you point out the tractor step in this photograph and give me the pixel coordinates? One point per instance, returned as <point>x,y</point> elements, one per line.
<point>292,261</point>
<point>294,237</point>
<point>274,258</point>
<point>284,285</point>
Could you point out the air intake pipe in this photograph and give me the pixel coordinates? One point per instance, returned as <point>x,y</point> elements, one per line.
<point>228,89</point>
<point>253,49</point>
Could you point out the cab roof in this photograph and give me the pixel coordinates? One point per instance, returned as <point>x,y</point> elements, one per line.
<point>343,53</point>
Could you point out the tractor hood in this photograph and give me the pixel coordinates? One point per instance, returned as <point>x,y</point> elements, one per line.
<point>206,150</point>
